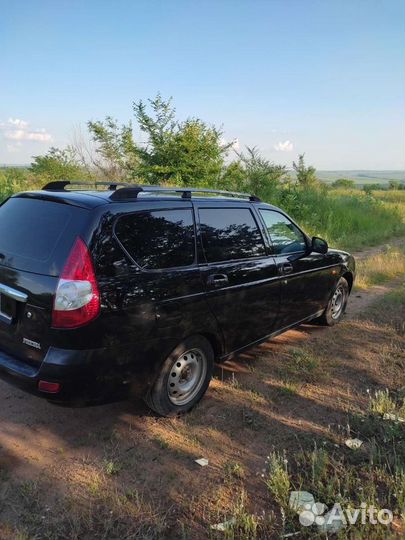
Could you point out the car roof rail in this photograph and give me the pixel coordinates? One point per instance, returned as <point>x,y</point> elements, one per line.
<point>132,192</point>
<point>59,185</point>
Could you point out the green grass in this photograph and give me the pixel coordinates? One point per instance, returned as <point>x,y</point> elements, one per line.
<point>373,475</point>
<point>233,471</point>
<point>241,524</point>
<point>380,268</point>
<point>278,479</point>
<point>347,219</point>
<point>390,196</point>
<point>112,467</point>
<point>302,365</point>
<point>384,403</point>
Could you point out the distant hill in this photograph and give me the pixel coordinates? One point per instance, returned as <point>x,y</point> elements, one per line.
<point>8,166</point>
<point>361,177</point>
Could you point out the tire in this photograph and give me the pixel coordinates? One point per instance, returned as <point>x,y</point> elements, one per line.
<point>183,378</point>
<point>337,304</point>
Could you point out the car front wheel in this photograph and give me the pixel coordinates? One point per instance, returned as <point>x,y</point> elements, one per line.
<point>183,379</point>
<point>337,304</point>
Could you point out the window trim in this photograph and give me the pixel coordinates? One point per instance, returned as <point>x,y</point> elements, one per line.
<point>228,261</point>
<point>150,210</point>
<point>306,238</point>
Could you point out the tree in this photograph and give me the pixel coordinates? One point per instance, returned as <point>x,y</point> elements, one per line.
<point>184,153</point>
<point>58,164</point>
<point>116,155</point>
<point>395,184</point>
<point>344,183</point>
<point>306,176</point>
<point>255,173</point>
<point>368,188</point>
<point>173,152</point>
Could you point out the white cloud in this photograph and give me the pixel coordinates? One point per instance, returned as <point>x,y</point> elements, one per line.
<point>25,135</point>
<point>284,146</point>
<point>22,124</point>
<point>16,129</point>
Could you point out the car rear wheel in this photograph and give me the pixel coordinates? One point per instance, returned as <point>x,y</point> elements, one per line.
<point>337,304</point>
<point>184,377</point>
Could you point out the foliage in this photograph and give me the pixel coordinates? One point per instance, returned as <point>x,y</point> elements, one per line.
<point>13,179</point>
<point>306,176</point>
<point>173,152</point>
<point>57,164</point>
<point>396,184</point>
<point>369,188</point>
<point>255,174</point>
<point>183,153</point>
<point>116,147</point>
<point>343,183</point>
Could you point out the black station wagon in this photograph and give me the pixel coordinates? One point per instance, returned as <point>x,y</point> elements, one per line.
<point>146,287</point>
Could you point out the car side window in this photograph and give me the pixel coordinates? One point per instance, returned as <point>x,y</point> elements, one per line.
<point>230,233</point>
<point>284,235</point>
<point>158,239</point>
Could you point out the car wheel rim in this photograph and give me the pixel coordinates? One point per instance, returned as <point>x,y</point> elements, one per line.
<point>338,302</point>
<point>186,376</point>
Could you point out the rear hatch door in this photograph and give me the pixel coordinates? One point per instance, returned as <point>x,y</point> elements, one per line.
<point>36,237</point>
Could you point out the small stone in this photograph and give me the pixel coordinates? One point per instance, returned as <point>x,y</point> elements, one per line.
<point>353,444</point>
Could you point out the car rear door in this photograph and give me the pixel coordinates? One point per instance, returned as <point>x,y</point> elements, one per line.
<point>239,275</point>
<point>306,278</point>
<point>164,295</point>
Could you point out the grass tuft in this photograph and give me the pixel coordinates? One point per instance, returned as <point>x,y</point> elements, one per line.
<point>278,479</point>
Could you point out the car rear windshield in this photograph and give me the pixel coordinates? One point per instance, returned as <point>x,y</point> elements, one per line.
<point>36,235</point>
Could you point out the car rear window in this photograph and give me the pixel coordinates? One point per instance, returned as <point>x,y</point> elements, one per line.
<point>158,239</point>
<point>36,235</point>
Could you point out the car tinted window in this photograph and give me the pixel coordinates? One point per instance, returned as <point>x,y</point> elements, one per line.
<point>31,228</point>
<point>158,239</point>
<point>37,235</point>
<point>284,235</point>
<point>230,233</point>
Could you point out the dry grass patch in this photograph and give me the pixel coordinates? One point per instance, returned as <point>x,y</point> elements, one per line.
<point>380,268</point>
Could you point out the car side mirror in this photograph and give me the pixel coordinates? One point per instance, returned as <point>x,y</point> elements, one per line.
<point>319,245</point>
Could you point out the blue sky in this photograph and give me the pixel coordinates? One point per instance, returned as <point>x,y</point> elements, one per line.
<point>324,77</point>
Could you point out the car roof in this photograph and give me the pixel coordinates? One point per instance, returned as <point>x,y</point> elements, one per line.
<point>90,199</point>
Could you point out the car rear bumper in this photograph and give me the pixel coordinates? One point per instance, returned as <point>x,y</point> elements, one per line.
<point>80,374</point>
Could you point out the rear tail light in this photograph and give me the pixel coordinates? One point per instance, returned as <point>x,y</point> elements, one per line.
<point>49,387</point>
<point>77,298</point>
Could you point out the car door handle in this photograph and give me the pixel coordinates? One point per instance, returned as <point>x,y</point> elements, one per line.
<point>217,280</point>
<point>285,268</point>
